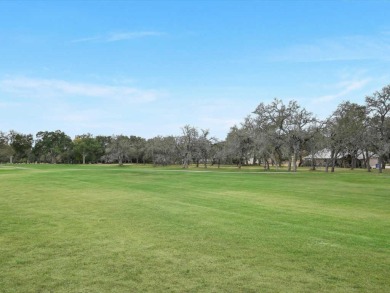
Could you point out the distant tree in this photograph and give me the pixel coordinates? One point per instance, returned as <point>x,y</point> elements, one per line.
<point>350,127</point>
<point>297,123</point>
<point>102,153</point>
<point>333,140</point>
<point>186,144</point>
<point>138,147</point>
<point>162,150</point>
<point>218,152</point>
<point>378,106</point>
<point>86,145</point>
<point>119,148</point>
<point>368,143</point>
<point>53,146</point>
<point>21,144</point>
<point>6,151</point>
<point>267,143</point>
<point>270,122</point>
<point>239,145</point>
<point>251,129</point>
<point>345,133</point>
<point>315,141</point>
<point>286,126</point>
<point>201,147</point>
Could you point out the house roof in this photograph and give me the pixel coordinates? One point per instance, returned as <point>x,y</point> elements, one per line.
<point>325,154</point>
<point>322,154</point>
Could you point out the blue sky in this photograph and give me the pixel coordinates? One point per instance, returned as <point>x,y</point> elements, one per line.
<point>148,68</point>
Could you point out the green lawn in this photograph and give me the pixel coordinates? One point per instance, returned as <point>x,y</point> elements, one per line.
<point>143,229</point>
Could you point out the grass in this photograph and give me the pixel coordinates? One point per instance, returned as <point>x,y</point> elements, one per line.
<point>143,229</point>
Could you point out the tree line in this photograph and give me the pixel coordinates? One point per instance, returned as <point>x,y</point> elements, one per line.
<point>273,134</point>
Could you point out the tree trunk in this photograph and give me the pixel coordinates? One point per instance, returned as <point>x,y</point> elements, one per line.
<point>368,162</point>
<point>185,161</point>
<point>266,163</point>
<point>333,160</point>
<point>254,160</point>
<point>300,161</point>
<point>313,163</point>
<point>295,161</point>
<point>327,166</point>
<point>84,156</point>
<point>380,164</point>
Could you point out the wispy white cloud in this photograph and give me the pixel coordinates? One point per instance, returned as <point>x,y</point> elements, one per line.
<point>114,37</point>
<point>342,90</point>
<point>357,47</point>
<point>76,107</point>
<point>35,87</point>
<point>119,36</point>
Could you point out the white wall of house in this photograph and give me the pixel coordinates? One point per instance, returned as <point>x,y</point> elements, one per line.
<point>373,162</point>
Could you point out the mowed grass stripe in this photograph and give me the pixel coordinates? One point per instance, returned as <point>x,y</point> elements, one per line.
<point>123,229</point>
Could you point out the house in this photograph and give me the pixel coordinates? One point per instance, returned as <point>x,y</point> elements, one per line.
<point>321,158</point>
<point>343,159</point>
